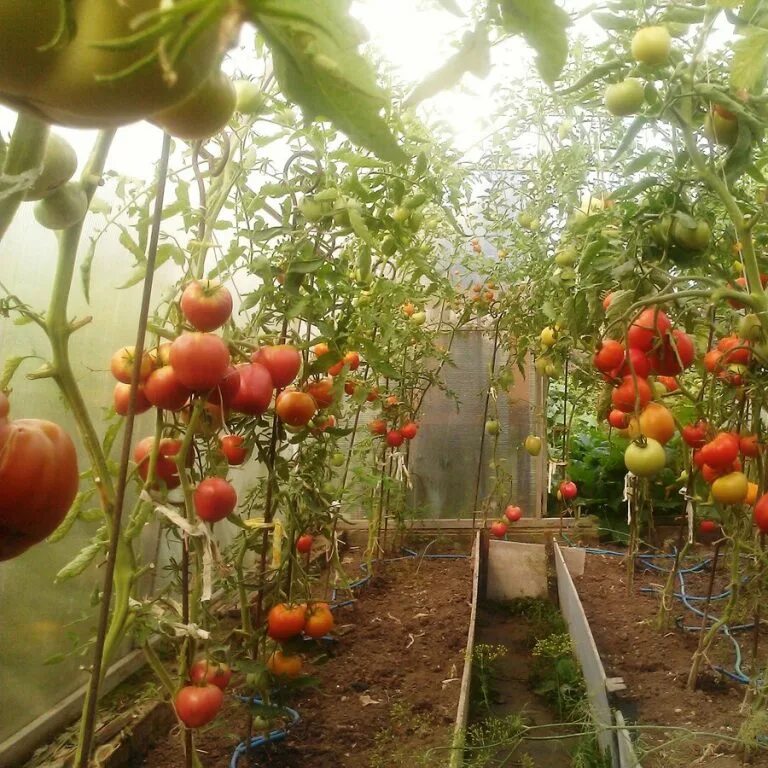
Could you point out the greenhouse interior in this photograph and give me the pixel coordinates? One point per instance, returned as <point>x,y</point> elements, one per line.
<point>383,383</point>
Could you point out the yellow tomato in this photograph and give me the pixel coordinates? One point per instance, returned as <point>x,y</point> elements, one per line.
<point>732,488</point>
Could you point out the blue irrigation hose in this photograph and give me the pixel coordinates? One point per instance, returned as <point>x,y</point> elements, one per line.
<point>278,734</point>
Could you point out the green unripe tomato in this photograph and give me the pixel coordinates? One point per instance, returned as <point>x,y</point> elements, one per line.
<point>691,238</point>
<point>492,427</point>
<point>645,460</point>
<point>311,209</point>
<point>250,99</point>
<point>721,130</point>
<point>566,257</point>
<point>62,208</point>
<point>652,45</point>
<point>750,328</point>
<point>624,98</point>
<point>338,459</point>
<point>58,167</point>
<point>389,246</point>
<point>418,318</point>
<point>401,214</point>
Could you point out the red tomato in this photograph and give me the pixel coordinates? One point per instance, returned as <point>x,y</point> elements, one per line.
<point>165,468</point>
<point>618,419</point>
<point>568,490</point>
<point>38,480</point>
<point>378,427</point>
<point>409,430</point>
<point>213,672</point>
<point>760,513</point>
<point>713,360</point>
<point>721,451</point>
<point>286,621</point>
<point>649,326</point>
<point>513,513</point>
<point>628,395</point>
<point>200,360</point>
<point>197,705</point>
<point>123,362</point>
<point>215,499</point>
<point>319,620</point>
<point>674,354</point>
<point>164,390</point>
<point>121,398</point>
<point>226,390</point>
<point>206,304</point>
<point>283,362</point>
<point>749,446</point>
<point>255,392</point>
<point>322,391</point>
<point>350,386</point>
<point>708,526</point>
<point>161,354</point>
<point>498,529</point>
<point>607,300</point>
<point>295,408</point>
<point>635,360</point>
<point>336,368</point>
<point>373,395</point>
<point>695,435</point>
<point>734,351</point>
<point>234,450</point>
<point>670,382</point>
<point>609,356</point>
<point>394,438</point>
<point>710,474</point>
<point>304,543</point>
<point>352,360</point>
<point>282,665</point>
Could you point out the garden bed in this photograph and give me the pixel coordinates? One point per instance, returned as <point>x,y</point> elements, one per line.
<point>654,666</point>
<point>389,691</point>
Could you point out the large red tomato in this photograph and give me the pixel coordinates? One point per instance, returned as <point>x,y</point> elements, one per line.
<point>734,350</point>
<point>286,621</point>
<point>283,361</point>
<point>635,360</point>
<point>295,408</point>
<point>674,354</point>
<point>322,391</point>
<point>215,499</point>
<point>38,480</point>
<point>749,445</point>
<point>200,360</point>
<point>206,304</point>
<point>197,705</point>
<point>165,469</point>
<point>627,394</point>
<point>695,435</point>
<point>409,430</point>
<point>721,451</point>
<point>609,356</point>
<point>164,390</point>
<point>760,513</point>
<point>226,390</point>
<point>213,672</point>
<point>255,392</point>
<point>647,328</point>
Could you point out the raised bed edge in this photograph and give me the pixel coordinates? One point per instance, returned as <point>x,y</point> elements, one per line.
<point>462,714</point>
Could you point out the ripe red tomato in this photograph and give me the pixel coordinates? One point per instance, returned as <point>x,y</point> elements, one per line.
<point>713,360</point>
<point>749,446</point>
<point>336,368</point>
<point>695,435</point>
<point>226,390</point>
<point>164,390</point>
<point>760,513</point>
<point>283,361</point>
<point>498,529</point>
<point>721,451</point>
<point>233,449</point>
<point>319,620</point>
<point>635,360</point>
<point>216,673</point>
<point>215,499</point>
<point>165,468</point>
<point>304,543</point>
<point>568,490</point>
<point>38,480</point>
<point>206,304</point>
<point>295,408</point>
<point>122,395</point>
<point>123,362</point>
<point>409,430</point>
<point>255,392</point>
<point>197,705</point>
<point>373,395</point>
<point>649,326</point>
<point>618,419</point>
<point>708,526</point>
<point>609,356</point>
<point>394,438</point>
<point>352,361</point>
<point>628,395</point>
<point>734,351</point>
<point>322,391</point>
<point>669,382</point>
<point>378,427</point>
<point>513,513</point>
<point>674,354</point>
<point>350,385</point>
<point>286,621</point>
<point>607,300</point>
<point>200,360</point>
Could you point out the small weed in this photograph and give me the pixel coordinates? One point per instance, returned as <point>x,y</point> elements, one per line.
<point>483,658</point>
<point>488,739</point>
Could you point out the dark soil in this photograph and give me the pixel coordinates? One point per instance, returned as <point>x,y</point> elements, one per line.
<point>655,666</point>
<point>389,693</point>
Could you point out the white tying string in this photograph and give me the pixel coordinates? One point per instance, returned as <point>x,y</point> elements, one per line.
<point>192,529</point>
<point>629,495</point>
<point>688,512</point>
<point>190,630</point>
<point>401,470</point>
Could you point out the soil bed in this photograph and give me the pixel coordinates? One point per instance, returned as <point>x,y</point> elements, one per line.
<point>655,666</point>
<point>388,693</point>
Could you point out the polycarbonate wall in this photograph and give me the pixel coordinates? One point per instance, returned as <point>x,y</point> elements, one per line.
<point>445,458</point>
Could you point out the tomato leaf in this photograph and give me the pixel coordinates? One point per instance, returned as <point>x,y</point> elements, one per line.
<point>81,561</point>
<point>473,56</point>
<point>314,51</point>
<point>749,56</point>
<point>543,25</point>
<point>9,369</point>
